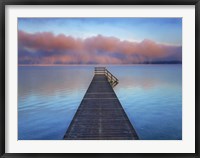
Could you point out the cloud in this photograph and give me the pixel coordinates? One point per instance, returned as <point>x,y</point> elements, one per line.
<point>47,48</point>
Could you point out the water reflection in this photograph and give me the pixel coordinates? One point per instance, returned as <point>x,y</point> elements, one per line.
<point>48,98</point>
<point>51,80</point>
<point>152,98</point>
<point>147,76</point>
<point>150,94</point>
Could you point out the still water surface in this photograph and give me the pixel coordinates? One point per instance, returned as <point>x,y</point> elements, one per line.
<point>48,98</point>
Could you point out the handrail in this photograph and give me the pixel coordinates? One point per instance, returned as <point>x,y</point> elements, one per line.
<point>99,70</point>
<point>110,77</point>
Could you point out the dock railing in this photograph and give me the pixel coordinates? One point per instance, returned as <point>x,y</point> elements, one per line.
<point>110,77</point>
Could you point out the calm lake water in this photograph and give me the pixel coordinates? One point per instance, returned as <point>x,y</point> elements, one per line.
<point>151,95</point>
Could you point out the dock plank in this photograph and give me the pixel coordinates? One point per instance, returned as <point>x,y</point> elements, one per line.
<point>100,115</point>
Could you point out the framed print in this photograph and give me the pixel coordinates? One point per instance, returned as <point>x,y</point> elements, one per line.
<point>100,78</point>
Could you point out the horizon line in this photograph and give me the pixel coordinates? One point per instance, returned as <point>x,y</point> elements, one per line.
<point>97,64</point>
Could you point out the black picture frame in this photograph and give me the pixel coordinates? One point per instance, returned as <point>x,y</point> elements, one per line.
<point>4,3</point>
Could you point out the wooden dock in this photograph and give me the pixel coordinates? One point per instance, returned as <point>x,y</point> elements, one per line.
<point>100,115</point>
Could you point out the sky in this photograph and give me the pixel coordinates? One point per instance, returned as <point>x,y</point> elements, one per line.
<point>99,40</point>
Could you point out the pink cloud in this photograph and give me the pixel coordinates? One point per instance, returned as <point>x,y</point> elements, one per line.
<point>47,48</point>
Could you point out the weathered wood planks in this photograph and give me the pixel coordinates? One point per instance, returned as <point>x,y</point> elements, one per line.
<point>100,115</point>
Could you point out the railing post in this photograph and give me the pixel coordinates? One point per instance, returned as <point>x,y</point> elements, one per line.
<point>111,78</point>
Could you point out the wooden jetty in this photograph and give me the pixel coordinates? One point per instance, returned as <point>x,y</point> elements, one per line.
<point>100,115</point>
